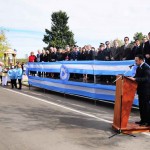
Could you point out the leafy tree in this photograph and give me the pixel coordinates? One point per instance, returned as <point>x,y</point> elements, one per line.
<point>139,36</point>
<point>59,35</point>
<point>3,44</point>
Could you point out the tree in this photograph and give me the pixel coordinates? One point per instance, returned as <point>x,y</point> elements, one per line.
<point>59,35</point>
<point>3,44</point>
<point>139,36</point>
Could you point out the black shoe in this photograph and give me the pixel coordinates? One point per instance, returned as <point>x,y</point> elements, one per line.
<point>143,124</point>
<point>147,124</point>
<point>139,122</point>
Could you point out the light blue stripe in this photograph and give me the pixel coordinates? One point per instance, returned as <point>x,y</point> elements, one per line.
<point>96,96</point>
<point>45,67</point>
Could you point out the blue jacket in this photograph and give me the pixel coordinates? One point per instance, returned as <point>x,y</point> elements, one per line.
<point>12,73</point>
<point>19,73</point>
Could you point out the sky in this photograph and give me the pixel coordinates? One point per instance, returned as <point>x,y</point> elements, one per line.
<point>91,21</point>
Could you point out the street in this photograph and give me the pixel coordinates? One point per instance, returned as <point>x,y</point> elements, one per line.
<point>43,120</point>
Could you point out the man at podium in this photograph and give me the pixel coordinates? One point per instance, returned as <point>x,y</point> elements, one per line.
<point>142,77</point>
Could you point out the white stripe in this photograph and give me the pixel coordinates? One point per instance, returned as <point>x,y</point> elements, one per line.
<point>74,87</point>
<point>98,67</point>
<point>62,106</point>
<point>82,67</point>
<point>44,66</point>
<point>68,108</point>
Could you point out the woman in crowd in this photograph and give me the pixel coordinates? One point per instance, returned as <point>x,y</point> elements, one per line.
<point>19,76</point>
<point>12,73</point>
<point>32,58</point>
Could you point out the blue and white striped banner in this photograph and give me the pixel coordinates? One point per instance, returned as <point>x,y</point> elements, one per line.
<point>85,67</point>
<point>91,90</point>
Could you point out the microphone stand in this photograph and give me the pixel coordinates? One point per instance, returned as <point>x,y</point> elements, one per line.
<point>121,76</point>
<point>120,131</point>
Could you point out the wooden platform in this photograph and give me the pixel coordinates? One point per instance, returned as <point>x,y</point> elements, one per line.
<point>132,128</point>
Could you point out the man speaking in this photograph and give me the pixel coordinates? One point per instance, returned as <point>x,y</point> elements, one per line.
<point>142,77</point>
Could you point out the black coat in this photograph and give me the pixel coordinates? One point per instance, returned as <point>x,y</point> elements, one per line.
<point>107,53</point>
<point>115,53</point>
<point>90,55</point>
<point>135,51</point>
<point>125,52</point>
<point>142,77</point>
<point>47,58</point>
<point>101,55</point>
<point>42,57</point>
<point>60,56</point>
<point>147,51</point>
<point>74,55</point>
<point>53,57</point>
<point>82,56</point>
<point>142,46</point>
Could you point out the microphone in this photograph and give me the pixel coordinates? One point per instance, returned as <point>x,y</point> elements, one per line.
<point>131,66</point>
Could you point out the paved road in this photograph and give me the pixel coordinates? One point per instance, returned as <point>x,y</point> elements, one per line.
<point>34,120</point>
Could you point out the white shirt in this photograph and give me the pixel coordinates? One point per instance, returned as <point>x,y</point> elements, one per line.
<point>142,64</point>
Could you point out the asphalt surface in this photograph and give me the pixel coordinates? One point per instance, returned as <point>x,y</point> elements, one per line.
<point>42,120</point>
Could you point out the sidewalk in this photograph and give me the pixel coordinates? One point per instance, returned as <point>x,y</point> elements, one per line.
<point>25,80</point>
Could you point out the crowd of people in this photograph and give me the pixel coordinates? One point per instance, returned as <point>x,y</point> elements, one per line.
<point>14,74</point>
<point>105,52</point>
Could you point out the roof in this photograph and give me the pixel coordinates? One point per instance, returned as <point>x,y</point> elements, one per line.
<point>9,51</point>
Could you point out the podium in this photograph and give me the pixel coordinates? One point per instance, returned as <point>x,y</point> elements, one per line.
<point>125,92</point>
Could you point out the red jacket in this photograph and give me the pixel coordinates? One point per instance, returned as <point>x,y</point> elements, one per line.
<point>32,58</point>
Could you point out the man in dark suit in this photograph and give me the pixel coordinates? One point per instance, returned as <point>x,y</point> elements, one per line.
<point>147,50</point>
<point>144,40</point>
<point>107,50</point>
<point>101,54</point>
<point>125,50</point>
<point>115,51</point>
<point>136,49</point>
<point>142,77</point>
<point>74,54</point>
<point>89,53</point>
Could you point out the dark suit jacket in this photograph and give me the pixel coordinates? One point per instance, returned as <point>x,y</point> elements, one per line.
<point>142,46</point>
<point>101,55</point>
<point>90,55</point>
<point>142,77</point>
<point>42,57</point>
<point>53,57</point>
<point>135,51</point>
<point>147,51</point>
<point>115,53</point>
<point>126,52</point>
<point>82,56</point>
<point>107,53</point>
<point>74,55</point>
